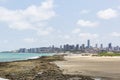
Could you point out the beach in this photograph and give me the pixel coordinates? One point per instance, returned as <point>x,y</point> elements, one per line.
<point>101,67</point>
<point>42,68</point>
<point>59,67</point>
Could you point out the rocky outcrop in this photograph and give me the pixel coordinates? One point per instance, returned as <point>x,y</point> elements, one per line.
<point>57,75</point>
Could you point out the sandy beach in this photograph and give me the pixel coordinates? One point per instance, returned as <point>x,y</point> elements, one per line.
<point>108,67</point>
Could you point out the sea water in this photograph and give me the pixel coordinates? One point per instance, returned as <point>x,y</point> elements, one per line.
<point>7,57</point>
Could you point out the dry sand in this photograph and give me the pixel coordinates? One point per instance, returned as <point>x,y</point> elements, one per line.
<point>91,66</point>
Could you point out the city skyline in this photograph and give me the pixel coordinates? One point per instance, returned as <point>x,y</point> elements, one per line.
<point>86,48</point>
<point>38,23</point>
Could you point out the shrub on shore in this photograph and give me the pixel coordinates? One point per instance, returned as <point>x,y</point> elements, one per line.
<point>108,54</point>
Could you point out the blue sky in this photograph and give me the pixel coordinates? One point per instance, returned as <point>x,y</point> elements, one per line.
<point>36,23</point>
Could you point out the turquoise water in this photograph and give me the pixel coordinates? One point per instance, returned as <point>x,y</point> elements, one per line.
<point>6,57</point>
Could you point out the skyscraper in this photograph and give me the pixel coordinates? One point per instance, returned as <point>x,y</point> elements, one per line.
<point>96,45</point>
<point>101,46</point>
<point>88,43</point>
<point>110,45</point>
<point>77,47</point>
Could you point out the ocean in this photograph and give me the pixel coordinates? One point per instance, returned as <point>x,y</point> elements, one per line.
<point>7,57</point>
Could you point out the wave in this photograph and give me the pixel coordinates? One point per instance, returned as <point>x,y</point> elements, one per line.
<point>34,57</point>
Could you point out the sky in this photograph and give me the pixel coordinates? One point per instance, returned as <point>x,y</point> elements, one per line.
<point>37,23</point>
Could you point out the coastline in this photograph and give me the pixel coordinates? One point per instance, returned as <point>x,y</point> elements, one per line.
<point>36,69</point>
<point>105,67</point>
<point>62,65</point>
<point>10,57</point>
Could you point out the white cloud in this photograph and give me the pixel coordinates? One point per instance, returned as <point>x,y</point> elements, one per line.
<point>85,23</point>
<point>30,40</point>
<point>115,34</point>
<point>76,31</point>
<point>107,14</point>
<point>33,18</point>
<point>88,35</point>
<point>84,11</point>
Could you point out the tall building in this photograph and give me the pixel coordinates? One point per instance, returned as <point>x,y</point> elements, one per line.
<point>110,45</point>
<point>96,45</point>
<point>66,47</point>
<point>82,47</point>
<point>101,46</point>
<point>22,50</point>
<point>88,43</point>
<point>61,47</point>
<point>77,47</point>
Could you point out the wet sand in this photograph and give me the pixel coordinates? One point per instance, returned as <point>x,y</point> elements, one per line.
<point>108,67</point>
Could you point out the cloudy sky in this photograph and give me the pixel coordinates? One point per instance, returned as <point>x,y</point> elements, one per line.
<point>36,23</point>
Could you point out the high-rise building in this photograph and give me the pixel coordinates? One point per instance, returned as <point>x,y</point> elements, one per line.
<point>96,45</point>
<point>110,45</point>
<point>101,46</point>
<point>66,47</point>
<point>82,46</point>
<point>77,47</point>
<point>23,50</point>
<point>61,47</point>
<point>88,43</point>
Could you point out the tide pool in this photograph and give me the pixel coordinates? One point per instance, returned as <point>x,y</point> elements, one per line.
<point>7,57</point>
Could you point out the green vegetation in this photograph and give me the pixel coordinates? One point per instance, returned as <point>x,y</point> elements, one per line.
<point>108,54</point>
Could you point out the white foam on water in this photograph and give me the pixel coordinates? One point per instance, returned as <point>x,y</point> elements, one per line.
<point>34,57</point>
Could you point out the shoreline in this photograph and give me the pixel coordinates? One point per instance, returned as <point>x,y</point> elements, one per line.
<point>36,69</point>
<point>73,64</point>
<point>27,58</point>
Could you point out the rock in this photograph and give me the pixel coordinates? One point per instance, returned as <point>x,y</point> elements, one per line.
<point>57,75</point>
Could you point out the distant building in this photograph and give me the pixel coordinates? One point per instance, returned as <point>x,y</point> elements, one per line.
<point>77,47</point>
<point>61,48</point>
<point>22,50</point>
<point>82,48</point>
<point>96,45</point>
<point>71,48</point>
<point>110,45</point>
<point>101,46</point>
<point>88,43</point>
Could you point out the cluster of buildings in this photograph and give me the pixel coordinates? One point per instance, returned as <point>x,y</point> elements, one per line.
<point>39,50</point>
<point>72,48</point>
